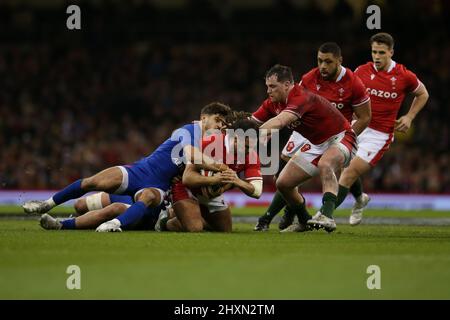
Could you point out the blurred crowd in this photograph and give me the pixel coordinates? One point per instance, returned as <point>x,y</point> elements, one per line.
<point>70,109</point>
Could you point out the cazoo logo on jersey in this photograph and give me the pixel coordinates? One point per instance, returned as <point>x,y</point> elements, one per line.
<point>382,94</point>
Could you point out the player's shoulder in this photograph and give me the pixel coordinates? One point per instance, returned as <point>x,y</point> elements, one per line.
<point>351,79</point>
<point>190,126</point>
<point>349,74</point>
<point>298,92</point>
<point>364,67</point>
<point>271,106</point>
<point>310,75</point>
<point>268,103</point>
<point>401,69</point>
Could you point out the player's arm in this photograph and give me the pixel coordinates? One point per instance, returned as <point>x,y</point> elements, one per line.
<point>280,121</point>
<point>252,188</point>
<point>363,114</point>
<point>421,96</point>
<point>193,179</point>
<point>195,156</point>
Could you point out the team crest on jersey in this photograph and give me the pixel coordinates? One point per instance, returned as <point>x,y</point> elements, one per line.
<point>393,79</point>
<point>372,76</point>
<point>318,87</point>
<point>305,147</point>
<point>341,92</point>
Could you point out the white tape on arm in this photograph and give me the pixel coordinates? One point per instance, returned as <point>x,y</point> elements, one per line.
<point>258,184</point>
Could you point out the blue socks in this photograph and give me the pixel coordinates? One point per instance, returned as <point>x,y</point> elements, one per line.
<point>121,198</point>
<point>68,224</point>
<point>133,214</point>
<point>72,191</point>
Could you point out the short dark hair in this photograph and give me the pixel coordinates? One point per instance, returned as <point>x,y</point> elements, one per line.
<point>384,38</point>
<point>216,108</point>
<point>235,115</point>
<point>331,47</point>
<point>283,73</point>
<point>244,124</point>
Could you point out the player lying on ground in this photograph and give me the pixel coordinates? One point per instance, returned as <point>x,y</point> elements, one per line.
<point>198,207</point>
<point>387,84</point>
<point>332,143</point>
<point>149,178</point>
<point>95,209</point>
<point>101,207</point>
<point>331,80</point>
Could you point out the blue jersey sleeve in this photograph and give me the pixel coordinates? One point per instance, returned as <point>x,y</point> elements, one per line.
<point>189,134</point>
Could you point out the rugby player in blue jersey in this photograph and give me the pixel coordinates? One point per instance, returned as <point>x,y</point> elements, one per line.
<point>147,179</point>
<point>93,210</point>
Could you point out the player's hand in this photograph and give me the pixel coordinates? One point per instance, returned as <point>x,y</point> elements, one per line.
<point>403,124</point>
<point>230,176</point>
<point>217,178</point>
<point>109,226</point>
<point>220,167</point>
<point>176,179</point>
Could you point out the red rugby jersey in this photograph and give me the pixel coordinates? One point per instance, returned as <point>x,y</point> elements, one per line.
<point>345,93</point>
<point>251,167</point>
<point>387,90</point>
<point>318,120</point>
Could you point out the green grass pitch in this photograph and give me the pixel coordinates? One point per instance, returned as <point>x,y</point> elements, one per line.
<point>414,263</point>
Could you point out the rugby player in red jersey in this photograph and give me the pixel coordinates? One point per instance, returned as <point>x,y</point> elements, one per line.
<point>332,142</point>
<point>331,80</point>
<point>387,83</point>
<point>196,211</point>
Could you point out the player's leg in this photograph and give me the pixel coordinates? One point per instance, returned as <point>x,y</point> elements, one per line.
<point>372,145</point>
<point>217,215</point>
<point>186,218</point>
<point>329,163</point>
<point>290,178</point>
<point>295,142</point>
<point>150,197</point>
<point>188,214</point>
<point>163,219</point>
<point>148,221</point>
<point>275,206</point>
<point>92,202</point>
<point>172,224</point>
<point>89,220</point>
<point>338,153</point>
<point>350,179</point>
<point>351,175</point>
<point>108,180</point>
<point>219,221</point>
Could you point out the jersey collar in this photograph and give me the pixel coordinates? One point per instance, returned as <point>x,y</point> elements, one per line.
<point>392,66</point>
<point>341,74</point>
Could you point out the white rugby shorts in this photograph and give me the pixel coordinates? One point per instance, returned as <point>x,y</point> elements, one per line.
<point>372,144</point>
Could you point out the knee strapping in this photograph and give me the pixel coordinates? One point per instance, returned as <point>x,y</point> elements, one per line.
<point>94,202</point>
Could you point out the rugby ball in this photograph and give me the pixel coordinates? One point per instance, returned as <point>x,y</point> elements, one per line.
<point>214,190</point>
